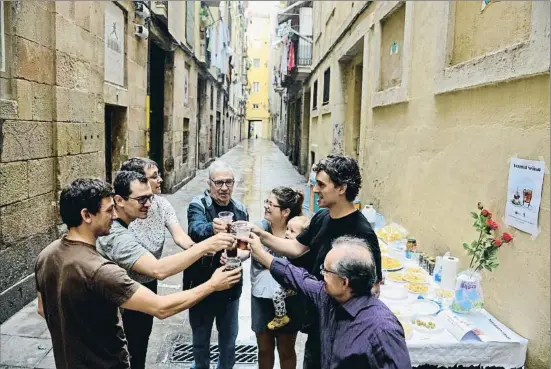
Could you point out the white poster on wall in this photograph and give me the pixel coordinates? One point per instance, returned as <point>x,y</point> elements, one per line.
<point>114,44</point>
<point>524,194</point>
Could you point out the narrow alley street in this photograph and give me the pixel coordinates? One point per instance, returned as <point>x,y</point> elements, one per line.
<point>259,166</point>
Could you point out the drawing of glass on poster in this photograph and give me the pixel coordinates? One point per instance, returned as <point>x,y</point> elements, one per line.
<point>524,194</point>
<point>114,44</point>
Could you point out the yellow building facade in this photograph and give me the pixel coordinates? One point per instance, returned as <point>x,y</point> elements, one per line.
<point>434,98</point>
<point>258,35</point>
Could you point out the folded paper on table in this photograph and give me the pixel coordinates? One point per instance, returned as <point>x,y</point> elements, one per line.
<point>480,327</point>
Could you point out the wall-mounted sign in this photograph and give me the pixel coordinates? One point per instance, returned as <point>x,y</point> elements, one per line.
<point>524,194</point>
<point>114,44</point>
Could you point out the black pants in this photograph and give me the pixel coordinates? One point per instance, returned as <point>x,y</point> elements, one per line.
<point>137,327</point>
<point>312,350</point>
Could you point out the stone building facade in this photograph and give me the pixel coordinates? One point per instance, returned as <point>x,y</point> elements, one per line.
<point>433,99</point>
<point>80,92</point>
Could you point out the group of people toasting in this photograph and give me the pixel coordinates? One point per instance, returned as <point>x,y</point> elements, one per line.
<point>97,285</point>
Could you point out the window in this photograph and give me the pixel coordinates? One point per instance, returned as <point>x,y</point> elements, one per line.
<point>185,141</point>
<point>256,63</point>
<point>211,97</point>
<point>186,84</point>
<point>315,99</point>
<point>256,86</point>
<point>255,106</point>
<point>326,85</point>
<point>190,21</point>
<point>2,47</point>
<point>229,19</point>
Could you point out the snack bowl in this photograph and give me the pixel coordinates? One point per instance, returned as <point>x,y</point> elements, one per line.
<point>396,277</point>
<point>415,269</point>
<point>424,307</point>
<point>418,288</point>
<point>395,292</point>
<point>391,264</point>
<point>426,324</point>
<point>415,278</point>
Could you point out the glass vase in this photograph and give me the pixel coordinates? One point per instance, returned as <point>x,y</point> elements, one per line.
<point>469,297</point>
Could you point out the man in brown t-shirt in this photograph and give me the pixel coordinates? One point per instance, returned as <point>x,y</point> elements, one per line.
<point>80,292</point>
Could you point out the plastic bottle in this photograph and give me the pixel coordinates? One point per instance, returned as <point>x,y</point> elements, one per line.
<point>438,269</point>
<point>370,214</point>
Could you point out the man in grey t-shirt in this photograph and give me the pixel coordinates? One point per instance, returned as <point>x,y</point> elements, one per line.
<point>133,196</point>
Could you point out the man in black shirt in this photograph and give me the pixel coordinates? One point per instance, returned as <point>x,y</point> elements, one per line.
<point>338,181</point>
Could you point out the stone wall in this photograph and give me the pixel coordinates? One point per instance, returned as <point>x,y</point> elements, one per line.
<point>52,123</point>
<point>184,114</point>
<point>440,141</point>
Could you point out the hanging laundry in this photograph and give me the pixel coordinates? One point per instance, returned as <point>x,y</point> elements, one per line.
<point>291,60</point>
<point>284,57</point>
<point>209,43</point>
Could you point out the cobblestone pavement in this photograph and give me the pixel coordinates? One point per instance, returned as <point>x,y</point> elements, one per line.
<point>259,166</point>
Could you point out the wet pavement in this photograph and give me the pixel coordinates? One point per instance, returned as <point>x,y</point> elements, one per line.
<point>259,166</point>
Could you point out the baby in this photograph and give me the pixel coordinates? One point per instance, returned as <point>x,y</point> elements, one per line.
<point>294,227</point>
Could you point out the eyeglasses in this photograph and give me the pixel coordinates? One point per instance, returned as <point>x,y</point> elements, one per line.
<point>220,183</point>
<point>142,200</point>
<point>324,271</point>
<point>155,177</point>
<point>271,204</point>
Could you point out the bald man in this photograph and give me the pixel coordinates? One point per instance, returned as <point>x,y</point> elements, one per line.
<point>357,329</point>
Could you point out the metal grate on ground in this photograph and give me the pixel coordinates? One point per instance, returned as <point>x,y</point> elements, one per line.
<point>183,353</point>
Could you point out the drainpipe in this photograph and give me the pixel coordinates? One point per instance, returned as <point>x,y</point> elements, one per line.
<point>147,97</point>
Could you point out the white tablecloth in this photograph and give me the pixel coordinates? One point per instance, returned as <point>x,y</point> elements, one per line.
<point>443,349</point>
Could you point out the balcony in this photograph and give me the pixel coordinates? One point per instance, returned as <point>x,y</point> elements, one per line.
<point>304,54</point>
<point>160,8</point>
<point>204,54</point>
<point>211,3</point>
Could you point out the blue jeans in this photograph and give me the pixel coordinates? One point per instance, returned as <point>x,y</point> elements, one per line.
<point>201,318</point>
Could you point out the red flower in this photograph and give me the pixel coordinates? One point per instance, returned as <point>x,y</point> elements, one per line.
<point>506,237</point>
<point>491,224</point>
<point>496,242</point>
<point>486,213</point>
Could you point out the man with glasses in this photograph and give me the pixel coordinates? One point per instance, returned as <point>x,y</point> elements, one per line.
<point>357,330</point>
<point>204,222</point>
<point>133,198</point>
<point>338,181</point>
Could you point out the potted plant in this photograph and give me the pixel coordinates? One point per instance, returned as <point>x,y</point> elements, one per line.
<point>483,252</point>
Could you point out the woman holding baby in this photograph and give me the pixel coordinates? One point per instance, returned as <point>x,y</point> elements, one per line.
<point>276,312</point>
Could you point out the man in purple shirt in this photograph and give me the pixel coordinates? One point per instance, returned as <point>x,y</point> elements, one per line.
<point>357,329</point>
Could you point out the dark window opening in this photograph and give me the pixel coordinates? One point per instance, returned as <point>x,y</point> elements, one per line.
<point>315,101</point>
<point>326,85</point>
<point>185,141</point>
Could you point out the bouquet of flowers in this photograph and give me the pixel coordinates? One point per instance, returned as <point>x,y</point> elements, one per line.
<point>484,249</point>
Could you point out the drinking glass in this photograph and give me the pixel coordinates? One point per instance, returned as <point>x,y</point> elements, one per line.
<point>242,229</point>
<point>226,216</point>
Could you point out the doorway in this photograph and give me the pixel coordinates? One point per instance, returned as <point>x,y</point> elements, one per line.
<point>201,115</point>
<point>157,103</point>
<point>356,116</point>
<point>115,127</point>
<point>305,133</point>
<point>218,134</point>
<point>297,132</point>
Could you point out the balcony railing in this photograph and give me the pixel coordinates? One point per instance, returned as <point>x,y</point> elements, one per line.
<point>304,53</point>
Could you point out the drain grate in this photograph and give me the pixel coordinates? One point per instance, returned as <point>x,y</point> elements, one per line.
<point>183,353</point>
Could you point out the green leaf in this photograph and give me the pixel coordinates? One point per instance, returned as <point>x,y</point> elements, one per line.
<point>475,215</point>
<point>474,245</point>
<point>466,246</point>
